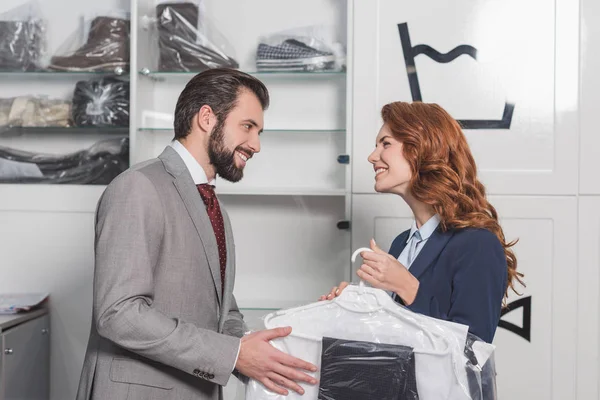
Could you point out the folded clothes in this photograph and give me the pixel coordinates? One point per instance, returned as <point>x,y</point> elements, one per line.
<point>35,111</point>
<point>99,164</point>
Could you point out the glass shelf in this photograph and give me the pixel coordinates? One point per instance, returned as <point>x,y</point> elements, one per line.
<point>303,74</point>
<point>53,130</point>
<point>170,130</point>
<point>11,73</point>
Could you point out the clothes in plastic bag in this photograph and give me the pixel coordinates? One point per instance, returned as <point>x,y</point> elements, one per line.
<point>34,111</point>
<point>359,370</point>
<point>101,102</point>
<point>98,165</point>
<point>441,369</point>
<point>22,38</point>
<point>104,48</point>
<point>309,49</point>
<point>187,42</point>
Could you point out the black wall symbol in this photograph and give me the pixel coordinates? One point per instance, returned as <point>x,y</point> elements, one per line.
<point>525,329</point>
<point>410,52</point>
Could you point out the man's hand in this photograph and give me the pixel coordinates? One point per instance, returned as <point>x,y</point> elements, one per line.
<point>259,360</point>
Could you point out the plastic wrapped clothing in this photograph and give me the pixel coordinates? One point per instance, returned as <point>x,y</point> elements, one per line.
<point>310,49</point>
<point>101,102</point>
<point>106,48</point>
<point>22,38</point>
<point>34,111</point>
<point>371,320</point>
<point>181,44</point>
<point>98,165</point>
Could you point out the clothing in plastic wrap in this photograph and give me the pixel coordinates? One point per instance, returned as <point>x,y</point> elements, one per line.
<point>106,48</point>
<point>22,38</point>
<point>181,44</point>
<point>98,165</point>
<point>101,102</point>
<point>34,111</point>
<point>370,315</point>
<point>304,50</point>
<point>390,371</point>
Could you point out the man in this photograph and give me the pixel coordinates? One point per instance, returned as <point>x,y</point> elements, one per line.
<point>165,322</point>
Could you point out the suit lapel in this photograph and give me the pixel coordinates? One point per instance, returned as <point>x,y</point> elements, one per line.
<point>195,207</point>
<point>433,247</point>
<point>229,268</point>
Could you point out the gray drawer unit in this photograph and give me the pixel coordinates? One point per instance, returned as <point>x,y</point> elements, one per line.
<point>25,356</point>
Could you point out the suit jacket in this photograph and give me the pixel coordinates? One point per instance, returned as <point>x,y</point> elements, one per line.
<point>462,278</point>
<point>160,327</point>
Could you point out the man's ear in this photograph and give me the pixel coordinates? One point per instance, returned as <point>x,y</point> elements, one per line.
<point>206,119</point>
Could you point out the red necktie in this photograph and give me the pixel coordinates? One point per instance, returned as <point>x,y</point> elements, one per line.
<point>207,192</point>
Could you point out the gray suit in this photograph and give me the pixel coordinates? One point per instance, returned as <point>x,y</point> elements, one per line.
<point>160,329</point>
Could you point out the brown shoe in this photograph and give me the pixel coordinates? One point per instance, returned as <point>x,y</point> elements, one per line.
<point>106,49</point>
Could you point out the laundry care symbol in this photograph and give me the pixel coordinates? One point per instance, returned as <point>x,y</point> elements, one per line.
<point>410,52</point>
<point>525,329</point>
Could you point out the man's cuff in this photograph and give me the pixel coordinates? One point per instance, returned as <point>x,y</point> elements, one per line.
<point>238,356</point>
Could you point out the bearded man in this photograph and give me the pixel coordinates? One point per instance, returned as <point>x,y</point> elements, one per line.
<point>165,323</point>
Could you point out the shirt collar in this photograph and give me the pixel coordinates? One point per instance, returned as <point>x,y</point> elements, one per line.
<point>196,170</point>
<point>427,229</point>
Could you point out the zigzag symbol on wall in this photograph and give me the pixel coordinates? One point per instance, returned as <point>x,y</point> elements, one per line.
<point>410,52</point>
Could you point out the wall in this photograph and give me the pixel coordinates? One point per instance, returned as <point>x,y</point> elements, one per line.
<point>542,176</point>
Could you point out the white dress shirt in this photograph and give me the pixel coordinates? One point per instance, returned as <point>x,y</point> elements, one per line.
<point>199,177</point>
<point>196,170</point>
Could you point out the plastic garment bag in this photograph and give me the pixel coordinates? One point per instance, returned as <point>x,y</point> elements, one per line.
<point>368,320</point>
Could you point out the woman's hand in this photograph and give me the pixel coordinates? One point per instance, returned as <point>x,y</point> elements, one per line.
<point>383,271</point>
<point>335,292</point>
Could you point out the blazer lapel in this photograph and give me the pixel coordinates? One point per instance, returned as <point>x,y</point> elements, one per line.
<point>195,207</point>
<point>433,247</point>
<point>397,250</point>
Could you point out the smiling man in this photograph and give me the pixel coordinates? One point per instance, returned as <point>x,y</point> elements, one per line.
<point>165,322</point>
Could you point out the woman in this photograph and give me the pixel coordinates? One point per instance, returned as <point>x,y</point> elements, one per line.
<point>454,263</point>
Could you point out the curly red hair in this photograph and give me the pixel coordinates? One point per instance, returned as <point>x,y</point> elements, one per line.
<point>444,173</point>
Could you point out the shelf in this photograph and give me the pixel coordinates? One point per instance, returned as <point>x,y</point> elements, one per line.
<point>170,130</point>
<point>47,73</point>
<point>166,74</point>
<point>54,130</point>
<point>279,191</point>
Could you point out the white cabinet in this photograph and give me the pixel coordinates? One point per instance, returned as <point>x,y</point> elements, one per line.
<point>589,160</point>
<point>25,356</point>
<point>588,319</point>
<point>536,359</point>
<point>514,87</point>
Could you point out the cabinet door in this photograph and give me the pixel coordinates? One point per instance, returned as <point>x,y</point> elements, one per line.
<point>536,340</point>
<point>514,88</point>
<point>26,351</point>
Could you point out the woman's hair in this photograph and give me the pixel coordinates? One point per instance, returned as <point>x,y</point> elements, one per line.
<point>444,174</point>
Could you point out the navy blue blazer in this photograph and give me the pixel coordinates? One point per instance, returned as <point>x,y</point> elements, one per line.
<point>462,278</point>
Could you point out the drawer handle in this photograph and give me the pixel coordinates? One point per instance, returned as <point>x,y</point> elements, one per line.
<point>8,351</point>
<point>44,331</point>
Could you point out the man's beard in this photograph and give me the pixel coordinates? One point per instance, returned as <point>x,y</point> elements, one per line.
<point>221,158</point>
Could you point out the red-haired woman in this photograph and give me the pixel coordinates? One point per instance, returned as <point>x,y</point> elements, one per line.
<point>454,263</point>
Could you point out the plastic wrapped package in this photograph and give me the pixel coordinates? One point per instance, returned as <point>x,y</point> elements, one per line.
<point>22,38</point>
<point>366,346</point>
<point>101,102</point>
<point>310,49</point>
<point>188,42</point>
<point>98,165</point>
<point>34,111</point>
<point>105,47</point>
